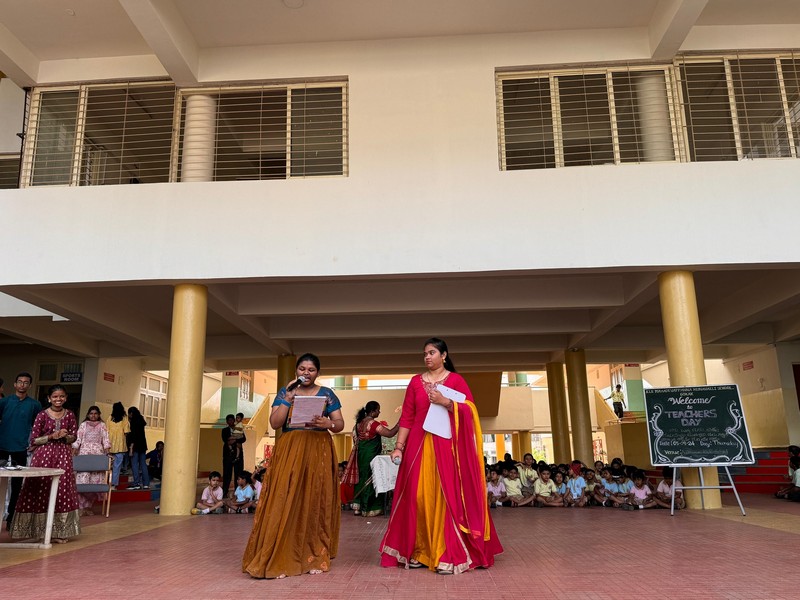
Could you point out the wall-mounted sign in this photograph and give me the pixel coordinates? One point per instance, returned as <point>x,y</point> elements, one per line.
<point>231,373</point>
<point>747,365</point>
<point>109,377</point>
<point>71,377</point>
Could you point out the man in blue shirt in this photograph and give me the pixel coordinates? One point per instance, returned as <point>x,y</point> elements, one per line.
<point>17,413</point>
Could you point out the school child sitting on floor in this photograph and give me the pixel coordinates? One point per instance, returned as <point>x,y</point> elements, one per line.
<point>211,498</point>
<point>607,493</point>
<point>558,480</point>
<point>591,485</point>
<point>514,489</point>
<point>495,490</point>
<point>640,495</point>
<point>576,487</point>
<point>793,493</point>
<point>784,491</point>
<point>545,490</point>
<point>668,487</point>
<point>243,494</point>
<point>527,474</point>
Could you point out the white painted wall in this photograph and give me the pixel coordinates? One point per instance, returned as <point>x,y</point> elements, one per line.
<point>12,108</point>
<point>423,144</point>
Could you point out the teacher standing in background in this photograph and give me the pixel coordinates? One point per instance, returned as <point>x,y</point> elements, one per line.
<point>440,518</point>
<point>296,527</point>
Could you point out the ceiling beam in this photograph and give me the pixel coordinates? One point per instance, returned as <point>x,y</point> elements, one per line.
<point>754,302</point>
<point>18,63</point>
<point>165,31</point>
<point>55,335</point>
<point>430,295</point>
<point>222,302</point>
<point>639,290</point>
<point>787,330</point>
<point>422,326</point>
<point>126,326</point>
<point>671,22</point>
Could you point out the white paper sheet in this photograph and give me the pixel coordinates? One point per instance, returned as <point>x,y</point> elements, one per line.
<point>437,421</point>
<point>305,408</point>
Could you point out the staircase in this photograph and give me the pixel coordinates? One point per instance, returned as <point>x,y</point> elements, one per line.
<point>766,476</point>
<point>123,494</point>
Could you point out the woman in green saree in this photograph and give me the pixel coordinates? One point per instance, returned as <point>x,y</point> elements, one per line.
<point>367,445</point>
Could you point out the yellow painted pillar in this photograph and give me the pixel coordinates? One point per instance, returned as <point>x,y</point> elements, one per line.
<point>348,445</point>
<point>500,445</point>
<point>182,434</point>
<point>681,324</point>
<point>515,447</point>
<point>338,444</point>
<point>580,415</point>
<point>524,443</point>
<point>558,412</point>
<point>286,372</point>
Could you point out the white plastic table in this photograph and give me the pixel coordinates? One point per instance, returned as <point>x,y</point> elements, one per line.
<point>55,475</point>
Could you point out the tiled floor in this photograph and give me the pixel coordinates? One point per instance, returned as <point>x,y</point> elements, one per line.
<point>549,553</point>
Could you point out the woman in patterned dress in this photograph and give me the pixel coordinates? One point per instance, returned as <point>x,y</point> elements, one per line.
<point>296,526</point>
<point>54,430</point>
<point>92,439</point>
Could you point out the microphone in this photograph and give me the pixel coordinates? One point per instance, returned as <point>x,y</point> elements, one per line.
<point>296,384</point>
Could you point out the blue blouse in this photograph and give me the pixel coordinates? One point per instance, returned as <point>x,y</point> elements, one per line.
<point>332,404</point>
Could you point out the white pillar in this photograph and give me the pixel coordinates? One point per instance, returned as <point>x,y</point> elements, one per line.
<point>199,138</point>
<point>654,117</point>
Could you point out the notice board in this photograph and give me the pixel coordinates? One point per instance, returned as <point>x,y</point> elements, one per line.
<point>698,425</point>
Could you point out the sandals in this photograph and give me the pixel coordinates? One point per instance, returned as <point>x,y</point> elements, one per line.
<point>415,564</point>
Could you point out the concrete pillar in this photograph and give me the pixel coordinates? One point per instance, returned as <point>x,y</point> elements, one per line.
<point>182,435</point>
<point>338,444</point>
<point>500,445</point>
<point>515,447</point>
<point>558,412</point>
<point>286,372</point>
<point>199,138</point>
<point>654,122</point>
<point>524,443</point>
<point>681,325</point>
<point>580,415</point>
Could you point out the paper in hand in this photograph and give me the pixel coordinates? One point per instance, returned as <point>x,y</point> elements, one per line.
<point>305,408</point>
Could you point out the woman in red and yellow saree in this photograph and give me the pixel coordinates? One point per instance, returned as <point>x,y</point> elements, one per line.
<point>367,445</point>
<point>440,518</point>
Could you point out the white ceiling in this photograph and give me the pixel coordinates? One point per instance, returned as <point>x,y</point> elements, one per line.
<point>73,29</point>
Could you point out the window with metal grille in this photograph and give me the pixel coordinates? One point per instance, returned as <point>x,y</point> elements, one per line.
<point>585,117</point>
<point>103,134</point>
<point>702,108</point>
<point>9,171</point>
<point>266,132</point>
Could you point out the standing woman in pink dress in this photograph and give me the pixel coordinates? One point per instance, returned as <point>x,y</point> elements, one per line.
<point>440,518</point>
<point>54,430</point>
<point>92,439</point>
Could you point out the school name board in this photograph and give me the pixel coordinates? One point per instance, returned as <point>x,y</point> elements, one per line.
<point>700,425</point>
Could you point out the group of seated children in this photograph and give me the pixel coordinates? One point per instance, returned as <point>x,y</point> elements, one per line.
<point>620,486</point>
<point>792,491</point>
<point>243,499</point>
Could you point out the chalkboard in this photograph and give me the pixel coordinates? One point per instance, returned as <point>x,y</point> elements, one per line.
<point>702,425</point>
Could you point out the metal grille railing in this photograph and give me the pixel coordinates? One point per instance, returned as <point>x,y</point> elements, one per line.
<point>700,108</point>
<point>100,135</point>
<point>9,171</point>
<point>268,132</point>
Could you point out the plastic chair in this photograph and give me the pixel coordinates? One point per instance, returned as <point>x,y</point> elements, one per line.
<point>95,462</point>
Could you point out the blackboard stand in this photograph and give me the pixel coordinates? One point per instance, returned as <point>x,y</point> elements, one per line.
<point>703,486</point>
